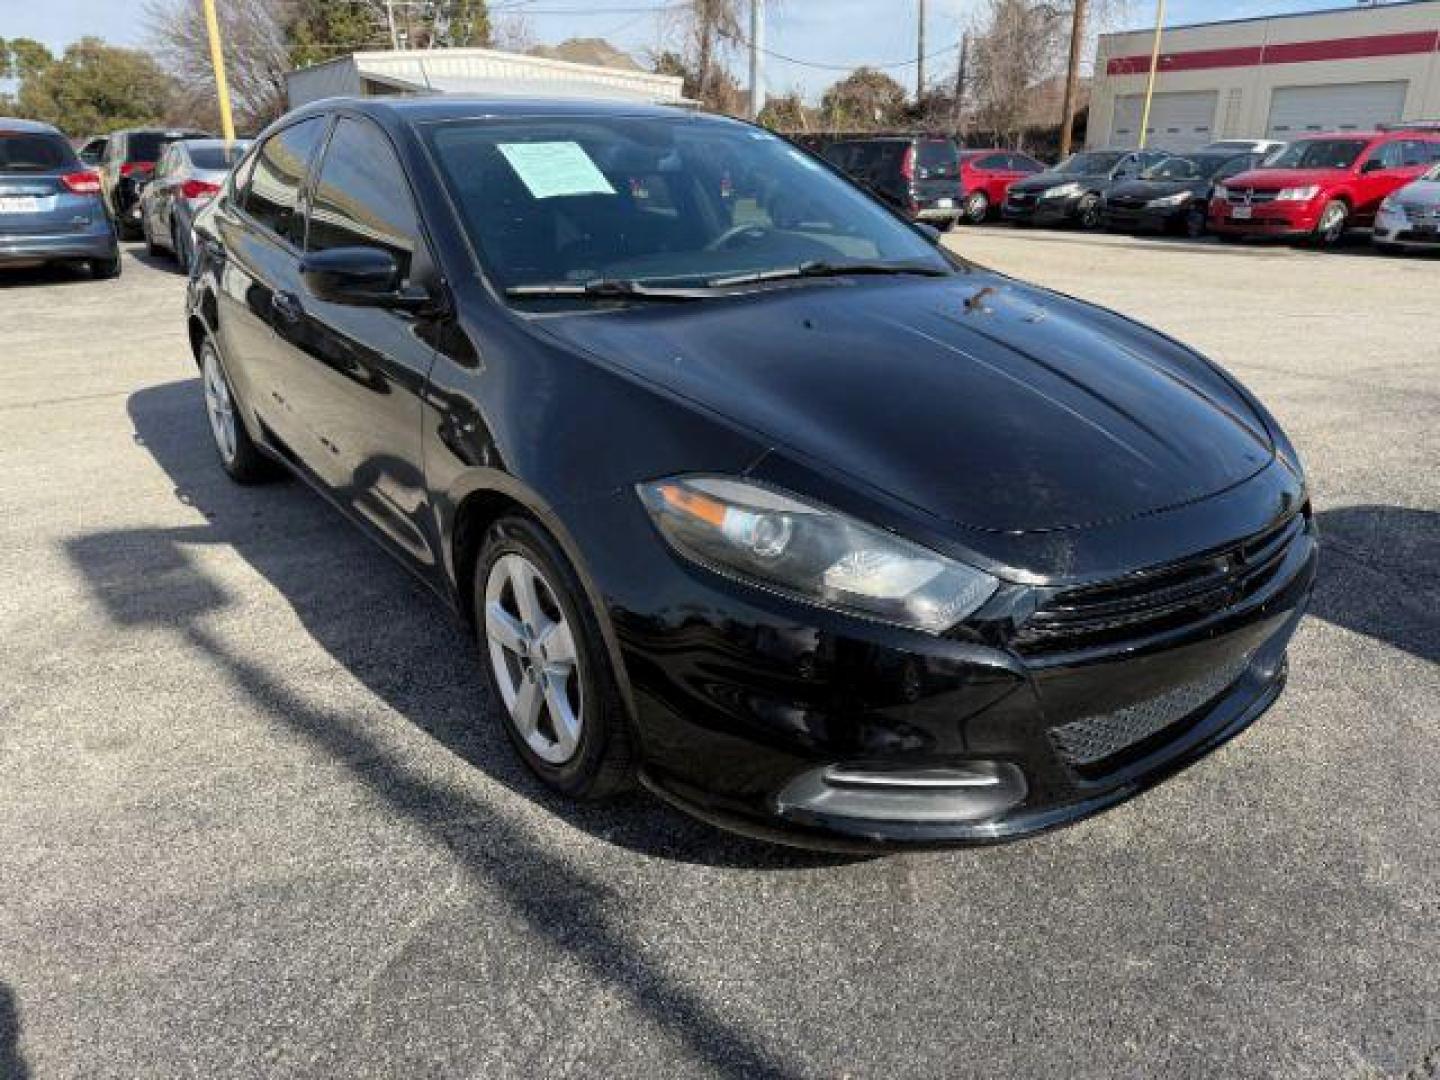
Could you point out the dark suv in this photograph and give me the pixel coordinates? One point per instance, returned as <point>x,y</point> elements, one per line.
<point>50,208</point>
<point>127,166</point>
<point>918,176</point>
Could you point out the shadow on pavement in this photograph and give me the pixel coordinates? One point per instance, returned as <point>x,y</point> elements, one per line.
<point>388,631</point>
<point>1382,575</point>
<point>12,1062</point>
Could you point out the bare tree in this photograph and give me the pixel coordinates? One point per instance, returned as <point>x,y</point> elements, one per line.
<point>257,55</point>
<point>513,32</point>
<point>1018,45</point>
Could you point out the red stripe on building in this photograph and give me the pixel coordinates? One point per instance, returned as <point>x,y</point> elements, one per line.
<point>1295,52</point>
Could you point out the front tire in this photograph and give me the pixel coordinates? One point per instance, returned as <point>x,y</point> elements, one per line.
<point>1090,214</point>
<point>239,456</point>
<point>547,669</point>
<point>1331,228</point>
<point>977,208</point>
<point>1196,222</point>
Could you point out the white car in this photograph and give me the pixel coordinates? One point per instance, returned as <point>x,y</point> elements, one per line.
<point>1409,220</point>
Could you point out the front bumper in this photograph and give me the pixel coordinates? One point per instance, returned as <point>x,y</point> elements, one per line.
<point>1274,219</point>
<point>98,243</point>
<point>1145,218</point>
<point>752,710</point>
<point>1397,229</point>
<point>1040,211</point>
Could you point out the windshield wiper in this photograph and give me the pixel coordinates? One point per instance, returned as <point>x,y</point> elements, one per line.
<point>606,289</point>
<point>818,269</point>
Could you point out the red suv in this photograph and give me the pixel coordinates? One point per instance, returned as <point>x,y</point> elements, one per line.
<point>985,176</point>
<point>1321,185</point>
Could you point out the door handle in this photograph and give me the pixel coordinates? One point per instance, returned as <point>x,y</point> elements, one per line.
<point>287,306</point>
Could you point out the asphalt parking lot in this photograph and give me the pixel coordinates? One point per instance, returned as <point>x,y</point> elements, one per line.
<point>250,824</point>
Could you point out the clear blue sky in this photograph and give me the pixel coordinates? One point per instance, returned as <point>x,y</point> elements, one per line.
<point>840,32</point>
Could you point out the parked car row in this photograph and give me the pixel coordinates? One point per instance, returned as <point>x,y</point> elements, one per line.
<point>62,205</point>
<point>1316,188</point>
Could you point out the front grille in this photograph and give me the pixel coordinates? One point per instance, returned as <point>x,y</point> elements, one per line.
<point>1087,742</point>
<point>1420,213</point>
<point>1250,196</point>
<point>1160,600</point>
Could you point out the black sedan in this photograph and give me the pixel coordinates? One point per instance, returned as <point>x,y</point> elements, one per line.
<point>1073,192</point>
<point>1174,196</point>
<point>751,492</point>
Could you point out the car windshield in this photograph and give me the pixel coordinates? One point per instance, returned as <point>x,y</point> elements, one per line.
<point>215,158</point>
<point>1090,164</point>
<point>1319,154</point>
<point>1433,174</point>
<point>1197,167</point>
<point>674,201</point>
<point>27,152</point>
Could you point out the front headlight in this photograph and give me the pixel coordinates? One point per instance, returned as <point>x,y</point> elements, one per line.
<point>780,543</point>
<point>1178,199</point>
<point>1298,194</point>
<point>1063,191</point>
<point>1389,206</point>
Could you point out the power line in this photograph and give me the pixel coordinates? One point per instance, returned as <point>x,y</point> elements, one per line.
<point>741,41</point>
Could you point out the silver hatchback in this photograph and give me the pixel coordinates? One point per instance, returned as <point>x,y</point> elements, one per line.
<point>1410,218</point>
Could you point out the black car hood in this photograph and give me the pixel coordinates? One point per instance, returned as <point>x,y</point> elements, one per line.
<point>1145,190</point>
<point>988,403</point>
<point>1047,180</point>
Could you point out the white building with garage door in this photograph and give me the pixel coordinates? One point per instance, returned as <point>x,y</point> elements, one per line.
<point>1279,77</point>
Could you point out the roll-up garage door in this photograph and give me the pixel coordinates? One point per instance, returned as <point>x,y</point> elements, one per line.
<point>1305,110</point>
<point>1177,121</point>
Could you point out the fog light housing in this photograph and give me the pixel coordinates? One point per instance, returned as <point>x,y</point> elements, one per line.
<point>962,794</point>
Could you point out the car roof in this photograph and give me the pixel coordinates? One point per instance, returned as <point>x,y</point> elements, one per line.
<point>207,144</point>
<point>1370,136</point>
<point>14,125</point>
<point>427,108</point>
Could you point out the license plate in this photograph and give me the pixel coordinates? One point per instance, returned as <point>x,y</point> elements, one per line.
<point>1242,213</point>
<point>945,204</point>
<point>19,204</point>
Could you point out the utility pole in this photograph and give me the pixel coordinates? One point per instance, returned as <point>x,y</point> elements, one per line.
<point>920,58</point>
<point>960,84</point>
<point>757,47</point>
<point>1072,76</point>
<point>1154,70</point>
<point>217,60</point>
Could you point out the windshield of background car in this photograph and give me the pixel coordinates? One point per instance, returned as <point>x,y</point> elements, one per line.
<point>31,152</point>
<point>216,158</point>
<point>1195,167</point>
<point>1089,164</point>
<point>1319,154</point>
<point>1433,174</point>
<point>673,200</point>
<point>147,145</point>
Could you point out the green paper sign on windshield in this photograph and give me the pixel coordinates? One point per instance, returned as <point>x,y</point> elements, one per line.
<point>550,169</point>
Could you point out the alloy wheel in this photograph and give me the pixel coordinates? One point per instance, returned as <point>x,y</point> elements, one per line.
<point>219,406</point>
<point>534,658</point>
<point>977,208</point>
<point>1332,223</point>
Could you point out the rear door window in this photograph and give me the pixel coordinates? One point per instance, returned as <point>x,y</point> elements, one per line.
<point>272,193</point>
<point>1025,164</point>
<point>34,152</point>
<point>362,199</point>
<point>937,157</point>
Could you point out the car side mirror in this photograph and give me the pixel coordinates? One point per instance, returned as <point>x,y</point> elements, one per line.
<point>928,231</point>
<point>359,277</point>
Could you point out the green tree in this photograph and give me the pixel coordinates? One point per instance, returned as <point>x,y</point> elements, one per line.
<point>786,112</point>
<point>24,58</point>
<point>864,100</point>
<point>94,87</point>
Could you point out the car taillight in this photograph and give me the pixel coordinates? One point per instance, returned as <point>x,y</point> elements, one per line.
<point>131,168</point>
<point>198,189</point>
<point>907,163</point>
<point>81,183</point>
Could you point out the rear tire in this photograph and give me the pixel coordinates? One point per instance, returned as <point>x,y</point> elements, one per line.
<point>105,269</point>
<point>977,208</point>
<point>239,456</point>
<point>151,248</point>
<point>544,656</point>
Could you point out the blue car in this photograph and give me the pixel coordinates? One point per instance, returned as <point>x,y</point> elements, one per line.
<point>51,210</point>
